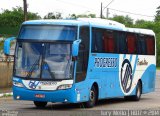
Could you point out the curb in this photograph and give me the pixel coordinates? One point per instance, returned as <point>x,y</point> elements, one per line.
<point>6,94</point>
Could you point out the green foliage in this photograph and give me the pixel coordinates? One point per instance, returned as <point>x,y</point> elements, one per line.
<point>10,21</point>
<point>157,17</point>
<point>15,17</point>
<point>125,20</point>
<point>92,15</point>
<point>52,15</point>
<point>7,31</point>
<point>74,16</point>
<point>1,45</point>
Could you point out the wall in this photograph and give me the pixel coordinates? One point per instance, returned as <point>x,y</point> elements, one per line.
<point>6,69</point>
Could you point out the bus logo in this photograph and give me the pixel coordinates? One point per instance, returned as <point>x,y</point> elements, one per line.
<point>33,84</point>
<point>126,76</point>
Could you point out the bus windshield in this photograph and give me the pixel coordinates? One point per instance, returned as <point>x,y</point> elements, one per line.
<point>43,61</point>
<point>48,32</point>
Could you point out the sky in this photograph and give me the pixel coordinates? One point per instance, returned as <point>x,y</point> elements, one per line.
<point>66,7</point>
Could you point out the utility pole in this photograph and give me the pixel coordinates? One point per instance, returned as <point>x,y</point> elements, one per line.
<point>101,11</point>
<point>25,9</point>
<point>106,7</point>
<point>107,15</point>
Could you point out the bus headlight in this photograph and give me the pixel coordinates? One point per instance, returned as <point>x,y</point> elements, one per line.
<point>65,86</point>
<point>18,84</point>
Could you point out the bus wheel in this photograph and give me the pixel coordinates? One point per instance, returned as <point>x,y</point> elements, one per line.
<point>137,97</point>
<point>92,98</point>
<point>40,104</point>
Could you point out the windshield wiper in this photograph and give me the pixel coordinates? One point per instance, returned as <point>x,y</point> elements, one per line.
<point>33,67</point>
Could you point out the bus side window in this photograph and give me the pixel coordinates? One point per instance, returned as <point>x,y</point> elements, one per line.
<point>109,44</point>
<point>141,45</point>
<point>120,42</point>
<point>150,45</point>
<point>97,37</point>
<point>131,43</point>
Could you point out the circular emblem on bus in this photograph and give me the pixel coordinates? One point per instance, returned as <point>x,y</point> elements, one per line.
<point>126,76</point>
<point>33,84</point>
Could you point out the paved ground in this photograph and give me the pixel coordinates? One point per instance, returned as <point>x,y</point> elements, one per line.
<point>149,102</point>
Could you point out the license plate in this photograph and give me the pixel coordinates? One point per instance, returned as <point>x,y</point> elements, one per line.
<point>39,95</point>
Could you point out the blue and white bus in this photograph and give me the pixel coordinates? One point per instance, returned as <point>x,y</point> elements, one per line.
<point>82,61</point>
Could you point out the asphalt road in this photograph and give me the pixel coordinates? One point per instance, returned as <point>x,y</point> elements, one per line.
<point>149,103</point>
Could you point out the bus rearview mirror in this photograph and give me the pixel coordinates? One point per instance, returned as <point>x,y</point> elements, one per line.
<point>9,46</point>
<point>75,47</point>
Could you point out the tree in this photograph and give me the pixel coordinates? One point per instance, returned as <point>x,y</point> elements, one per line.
<point>82,16</point>
<point>139,22</point>
<point>74,16</point>
<point>92,15</point>
<point>52,15</point>
<point>10,20</point>
<point>144,24</point>
<point>157,17</point>
<point>15,17</point>
<point>126,20</point>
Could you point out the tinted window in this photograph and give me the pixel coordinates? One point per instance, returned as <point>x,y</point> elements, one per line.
<point>48,32</point>
<point>120,38</point>
<point>131,43</point>
<point>150,45</point>
<point>141,45</point>
<point>108,41</point>
<point>120,42</point>
<point>97,40</point>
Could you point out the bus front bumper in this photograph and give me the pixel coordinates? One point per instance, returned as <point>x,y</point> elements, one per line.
<point>68,95</point>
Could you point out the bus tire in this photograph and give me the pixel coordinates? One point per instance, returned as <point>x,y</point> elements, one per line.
<point>92,98</point>
<point>39,104</point>
<point>137,96</point>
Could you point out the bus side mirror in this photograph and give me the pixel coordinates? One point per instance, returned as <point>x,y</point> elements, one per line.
<point>75,47</point>
<point>9,46</point>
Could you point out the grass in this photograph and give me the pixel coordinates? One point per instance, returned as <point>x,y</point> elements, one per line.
<point>7,95</point>
<point>158,68</point>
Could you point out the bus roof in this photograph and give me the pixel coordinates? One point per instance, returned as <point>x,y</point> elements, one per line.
<point>94,22</point>
<point>141,31</point>
<point>55,22</point>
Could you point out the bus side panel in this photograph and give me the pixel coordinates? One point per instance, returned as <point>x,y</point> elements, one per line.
<point>83,89</point>
<point>105,67</point>
<point>148,79</point>
<point>146,71</point>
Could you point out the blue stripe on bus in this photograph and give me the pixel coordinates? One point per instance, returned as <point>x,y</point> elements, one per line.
<point>135,64</point>
<point>130,58</point>
<point>124,56</point>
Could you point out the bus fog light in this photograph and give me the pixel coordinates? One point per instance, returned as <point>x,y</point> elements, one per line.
<point>18,97</point>
<point>65,86</point>
<point>18,84</point>
<point>65,100</point>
